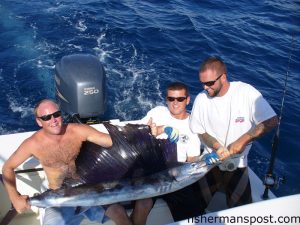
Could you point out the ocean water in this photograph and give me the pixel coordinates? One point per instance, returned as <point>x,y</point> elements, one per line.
<point>144,45</point>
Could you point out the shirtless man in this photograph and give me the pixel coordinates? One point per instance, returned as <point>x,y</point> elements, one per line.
<point>56,146</point>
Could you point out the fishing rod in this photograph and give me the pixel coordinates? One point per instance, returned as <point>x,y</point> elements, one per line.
<point>270,179</point>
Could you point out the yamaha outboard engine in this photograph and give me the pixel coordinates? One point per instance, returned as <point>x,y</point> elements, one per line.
<point>80,87</point>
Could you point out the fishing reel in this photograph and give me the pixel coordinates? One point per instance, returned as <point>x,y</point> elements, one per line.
<point>273,181</point>
<point>229,164</point>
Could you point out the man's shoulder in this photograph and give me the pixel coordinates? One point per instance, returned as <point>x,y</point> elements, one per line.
<point>159,109</point>
<point>33,141</point>
<point>244,88</point>
<point>157,113</point>
<point>35,136</point>
<point>241,85</point>
<point>71,126</point>
<point>202,95</point>
<point>76,129</point>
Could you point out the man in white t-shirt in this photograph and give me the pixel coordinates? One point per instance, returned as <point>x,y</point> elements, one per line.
<point>176,117</point>
<point>228,116</point>
<point>173,122</point>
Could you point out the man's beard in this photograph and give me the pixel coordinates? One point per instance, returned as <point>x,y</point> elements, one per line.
<point>214,93</point>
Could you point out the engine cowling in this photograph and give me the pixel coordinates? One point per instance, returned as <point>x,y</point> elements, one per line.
<point>80,84</point>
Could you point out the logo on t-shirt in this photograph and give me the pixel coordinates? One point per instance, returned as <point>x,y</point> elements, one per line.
<point>239,119</point>
<point>183,138</point>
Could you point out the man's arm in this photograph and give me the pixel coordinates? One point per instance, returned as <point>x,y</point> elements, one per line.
<point>212,142</point>
<point>209,141</point>
<point>9,177</point>
<point>192,158</point>
<point>258,131</point>
<point>95,136</point>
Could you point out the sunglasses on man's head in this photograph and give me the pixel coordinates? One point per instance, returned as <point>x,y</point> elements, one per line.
<point>179,99</point>
<point>49,116</point>
<point>212,82</point>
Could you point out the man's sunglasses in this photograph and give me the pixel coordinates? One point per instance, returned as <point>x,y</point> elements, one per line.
<point>212,82</point>
<point>179,99</point>
<point>49,116</point>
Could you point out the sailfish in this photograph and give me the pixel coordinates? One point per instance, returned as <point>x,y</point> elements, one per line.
<point>137,166</point>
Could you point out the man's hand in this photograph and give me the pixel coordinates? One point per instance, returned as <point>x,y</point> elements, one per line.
<point>173,133</point>
<point>21,204</point>
<point>153,127</point>
<point>238,146</point>
<point>223,153</point>
<point>211,158</point>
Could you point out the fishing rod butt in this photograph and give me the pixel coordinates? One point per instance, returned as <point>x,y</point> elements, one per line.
<point>265,195</point>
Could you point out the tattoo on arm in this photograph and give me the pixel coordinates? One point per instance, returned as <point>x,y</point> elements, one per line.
<point>263,127</point>
<point>209,140</point>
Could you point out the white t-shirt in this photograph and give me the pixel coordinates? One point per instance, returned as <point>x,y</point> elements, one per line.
<point>188,144</point>
<point>228,117</point>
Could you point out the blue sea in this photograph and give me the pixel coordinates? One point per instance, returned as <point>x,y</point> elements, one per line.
<point>145,45</point>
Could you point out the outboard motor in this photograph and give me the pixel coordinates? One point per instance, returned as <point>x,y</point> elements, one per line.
<point>80,87</point>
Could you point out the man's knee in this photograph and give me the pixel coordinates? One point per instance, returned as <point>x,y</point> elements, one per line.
<point>144,204</point>
<point>117,213</point>
<point>116,210</point>
<point>61,216</point>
